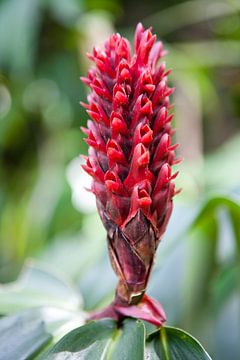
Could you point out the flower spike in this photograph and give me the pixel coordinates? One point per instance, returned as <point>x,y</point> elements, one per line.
<point>130,159</point>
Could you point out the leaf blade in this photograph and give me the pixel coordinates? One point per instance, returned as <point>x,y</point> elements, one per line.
<point>22,335</point>
<point>90,342</point>
<point>171,343</point>
<point>130,342</point>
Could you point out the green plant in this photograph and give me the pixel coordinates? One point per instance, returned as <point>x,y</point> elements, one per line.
<point>130,157</point>
<point>50,310</point>
<point>196,275</point>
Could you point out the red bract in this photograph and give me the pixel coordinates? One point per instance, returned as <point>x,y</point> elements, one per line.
<point>130,159</point>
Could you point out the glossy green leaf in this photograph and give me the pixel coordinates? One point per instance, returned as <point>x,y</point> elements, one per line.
<point>22,336</point>
<point>101,340</point>
<point>87,342</point>
<point>129,342</point>
<point>33,329</point>
<point>170,343</point>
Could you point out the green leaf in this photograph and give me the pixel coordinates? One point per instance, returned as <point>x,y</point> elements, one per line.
<point>22,336</point>
<point>86,342</point>
<point>210,208</point>
<point>101,340</point>
<point>37,287</point>
<point>212,204</point>
<point>27,334</point>
<point>170,343</point>
<point>129,343</point>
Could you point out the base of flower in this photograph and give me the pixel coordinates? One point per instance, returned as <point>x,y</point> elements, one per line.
<point>148,309</point>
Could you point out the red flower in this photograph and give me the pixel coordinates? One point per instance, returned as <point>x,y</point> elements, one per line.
<point>130,159</point>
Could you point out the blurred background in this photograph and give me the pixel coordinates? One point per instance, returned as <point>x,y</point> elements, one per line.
<point>45,212</point>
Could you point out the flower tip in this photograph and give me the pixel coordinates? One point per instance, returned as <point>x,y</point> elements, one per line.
<point>85,80</point>
<point>84,105</point>
<point>178,191</point>
<point>84,130</point>
<point>144,157</point>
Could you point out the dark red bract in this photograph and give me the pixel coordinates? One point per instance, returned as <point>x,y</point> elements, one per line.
<point>130,159</point>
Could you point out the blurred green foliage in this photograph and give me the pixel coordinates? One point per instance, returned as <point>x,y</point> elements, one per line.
<point>42,47</point>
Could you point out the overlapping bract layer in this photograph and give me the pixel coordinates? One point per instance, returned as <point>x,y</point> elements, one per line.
<point>130,154</point>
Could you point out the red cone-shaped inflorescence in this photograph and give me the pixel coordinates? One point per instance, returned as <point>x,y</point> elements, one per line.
<point>130,159</point>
